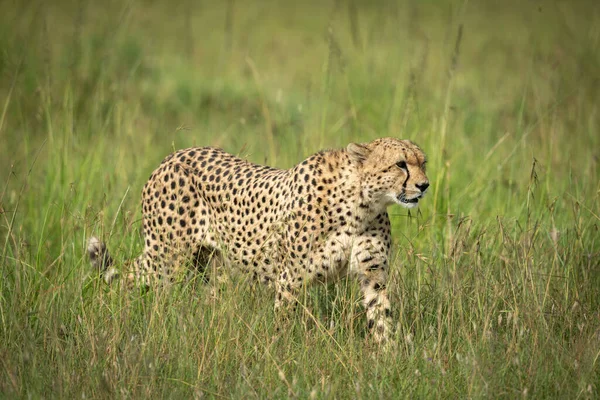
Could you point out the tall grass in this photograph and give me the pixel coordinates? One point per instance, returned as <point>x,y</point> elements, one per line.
<point>495,279</point>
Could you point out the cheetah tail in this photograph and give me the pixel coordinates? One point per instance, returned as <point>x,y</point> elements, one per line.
<point>101,259</point>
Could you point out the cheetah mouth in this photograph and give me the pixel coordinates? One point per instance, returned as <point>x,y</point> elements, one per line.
<point>409,201</point>
<point>406,202</point>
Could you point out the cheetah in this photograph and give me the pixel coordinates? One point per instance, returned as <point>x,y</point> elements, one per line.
<point>319,221</point>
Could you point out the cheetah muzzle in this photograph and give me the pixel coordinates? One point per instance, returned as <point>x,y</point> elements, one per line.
<point>323,219</point>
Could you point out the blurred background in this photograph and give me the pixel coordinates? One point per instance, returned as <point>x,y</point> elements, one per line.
<point>480,85</point>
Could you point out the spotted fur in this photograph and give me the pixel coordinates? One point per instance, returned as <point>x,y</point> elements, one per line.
<point>321,220</point>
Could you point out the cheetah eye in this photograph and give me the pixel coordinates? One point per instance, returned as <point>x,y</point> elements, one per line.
<point>401,164</point>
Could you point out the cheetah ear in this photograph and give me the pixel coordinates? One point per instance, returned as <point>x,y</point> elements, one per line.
<point>358,152</point>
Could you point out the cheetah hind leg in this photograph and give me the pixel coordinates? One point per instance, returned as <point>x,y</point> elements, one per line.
<point>207,268</point>
<point>205,262</point>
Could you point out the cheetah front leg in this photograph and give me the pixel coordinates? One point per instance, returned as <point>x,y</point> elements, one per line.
<point>285,301</point>
<point>371,264</point>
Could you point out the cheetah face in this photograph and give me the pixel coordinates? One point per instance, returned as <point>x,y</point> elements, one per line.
<point>412,190</point>
<point>392,171</point>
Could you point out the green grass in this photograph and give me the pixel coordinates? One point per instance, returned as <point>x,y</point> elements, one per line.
<point>495,279</point>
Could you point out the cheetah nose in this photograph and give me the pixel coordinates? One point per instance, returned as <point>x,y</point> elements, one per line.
<point>422,186</point>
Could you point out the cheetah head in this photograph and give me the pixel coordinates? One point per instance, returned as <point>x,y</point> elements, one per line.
<point>391,171</point>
